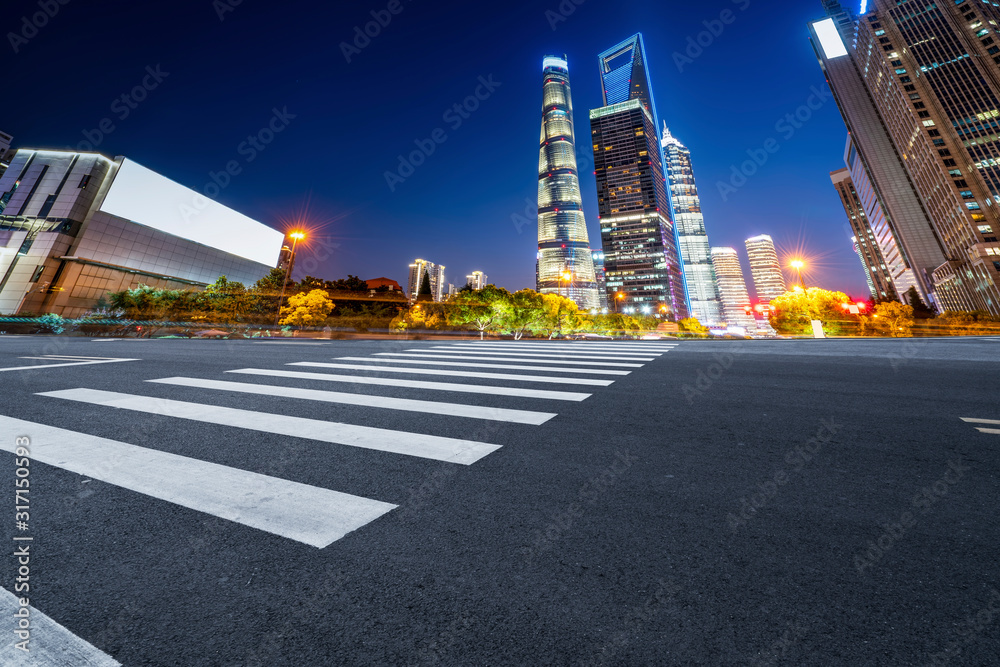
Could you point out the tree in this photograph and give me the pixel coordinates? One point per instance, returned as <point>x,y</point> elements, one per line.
<point>307,309</point>
<point>520,312</point>
<point>692,326</point>
<point>920,309</point>
<point>793,312</point>
<point>229,299</point>
<point>271,282</point>
<point>892,319</point>
<point>424,293</point>
<point>483,309</point>
<point>559,316</point>
<point>352,284</point>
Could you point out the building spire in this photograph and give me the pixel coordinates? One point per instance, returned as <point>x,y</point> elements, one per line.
<point>669,139</point>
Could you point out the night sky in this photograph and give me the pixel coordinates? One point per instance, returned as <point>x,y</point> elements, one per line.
<point>226,66</point>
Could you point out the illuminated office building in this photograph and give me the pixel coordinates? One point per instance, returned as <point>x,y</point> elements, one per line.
<point>732,288</point>
<point>435,272</point>
<point>929,73</point>
<point>637,232</point>
<point>768,280</point>
<point>564,263</point>
<point>865,243</point>
<point>602,281</point>
<point>76,226</point>
<point>692,239</point>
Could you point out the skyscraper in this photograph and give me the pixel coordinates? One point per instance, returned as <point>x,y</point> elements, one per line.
<point>930,73</point>
<point>418,269</point>
<point>602,280</point>
<point>637,232</point>
<point>565,265</point>
<point>768,280</point>
<point>695,254</point>
<point>732,288</point>
<point>865,243</point>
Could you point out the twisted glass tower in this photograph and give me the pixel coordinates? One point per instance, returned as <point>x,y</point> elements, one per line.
<point>565,263</point>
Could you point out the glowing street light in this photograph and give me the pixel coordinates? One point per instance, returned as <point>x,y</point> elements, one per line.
<point>798,265</point>
<point>296,236</point>
<point>618,299</point>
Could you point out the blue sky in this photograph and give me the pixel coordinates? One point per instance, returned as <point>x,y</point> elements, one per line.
<point>227,66</point>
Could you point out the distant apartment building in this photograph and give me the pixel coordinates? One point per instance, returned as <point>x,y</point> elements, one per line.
<point>768,280</point>
<point>418,269</point>
<point>865,243</point>
<point>75,226</point>
<point>732,288</point>
<point>477,279</point>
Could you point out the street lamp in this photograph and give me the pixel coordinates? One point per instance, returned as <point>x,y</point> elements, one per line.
<point>567,276</point>
<point>798,265</point>
<point>618,299</point>
<point>296,237</point>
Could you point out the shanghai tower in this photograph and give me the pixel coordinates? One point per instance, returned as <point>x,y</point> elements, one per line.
<point>565,263</point>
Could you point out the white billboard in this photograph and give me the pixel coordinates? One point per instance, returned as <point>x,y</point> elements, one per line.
<point>830,39</point>
<point>146,198</point>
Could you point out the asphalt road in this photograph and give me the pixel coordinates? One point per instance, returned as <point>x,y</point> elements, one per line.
<point>725,503</point>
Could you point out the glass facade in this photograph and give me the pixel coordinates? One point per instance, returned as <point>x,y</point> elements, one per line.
<point>637,230</point>
<point>692,239</point>
<point>565,265</point>
<point>768,280</point>
<point>732,288</point>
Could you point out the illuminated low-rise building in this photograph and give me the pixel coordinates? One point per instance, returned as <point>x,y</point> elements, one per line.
<point>732,288</point>
<point>75,226</point>
<point>768,280</point>
<point>477,279</point>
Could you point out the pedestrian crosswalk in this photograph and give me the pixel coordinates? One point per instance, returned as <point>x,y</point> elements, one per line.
<point>442,382</point>
<point>62,361</point>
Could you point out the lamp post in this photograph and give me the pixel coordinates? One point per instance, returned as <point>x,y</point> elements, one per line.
<point>567,276</point>
<point>798,265</point>
<point>618,305</point>
<point>296,237</point>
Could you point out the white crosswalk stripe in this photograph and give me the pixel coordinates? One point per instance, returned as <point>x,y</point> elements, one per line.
<point>993,422</point>
<point>65,362</point>
<point>491,390</point>
<point>438,448</point>
<point>557,352</point>
<point>297,511</point>
<point>581,356</point>
<point>49,644</point>
<point>456,373</point>
<point>429,362</point>
<point>496,358</point>
<point>408,404</point>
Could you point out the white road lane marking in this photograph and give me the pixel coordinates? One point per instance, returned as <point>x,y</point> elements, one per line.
<point>462,373</point>
<point>490,390</point>
<point>452,450</point>
<point>368,400</point>
<point>299,512</point>
<point>518,360</point>
<point>567,350</point>
<point>62,365</point>
<point>430,362</point>
<point>49,644</point>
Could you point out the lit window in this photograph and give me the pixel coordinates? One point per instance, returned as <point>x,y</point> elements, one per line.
<point>928,123</point>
